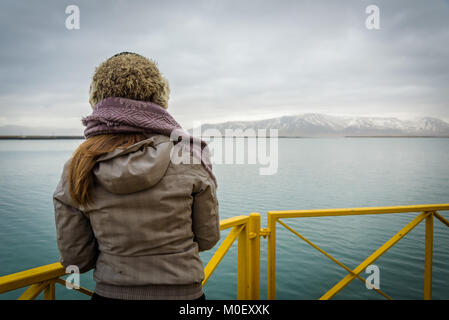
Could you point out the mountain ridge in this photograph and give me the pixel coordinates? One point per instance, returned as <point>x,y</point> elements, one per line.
<point>322,125</point>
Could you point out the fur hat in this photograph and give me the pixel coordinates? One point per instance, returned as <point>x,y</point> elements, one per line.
<point>129,75</point>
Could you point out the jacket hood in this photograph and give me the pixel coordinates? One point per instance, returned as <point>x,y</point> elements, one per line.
<point>136,168</point>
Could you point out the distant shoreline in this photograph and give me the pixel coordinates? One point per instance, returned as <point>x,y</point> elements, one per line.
<point>47,137</point>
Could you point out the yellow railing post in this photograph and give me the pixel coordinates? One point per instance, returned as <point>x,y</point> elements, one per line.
<point>49,291</point>
<point>429,258</point>
<point>254,256</point>
<point>248,260</point>
<point>271,259</point>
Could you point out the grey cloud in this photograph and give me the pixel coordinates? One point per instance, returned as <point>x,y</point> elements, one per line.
<point>233,59</point>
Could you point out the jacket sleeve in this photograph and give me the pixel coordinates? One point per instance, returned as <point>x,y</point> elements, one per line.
<point>76,241</point>
<point>205,219</point>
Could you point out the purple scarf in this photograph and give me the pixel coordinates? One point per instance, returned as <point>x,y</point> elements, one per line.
<point>120,115</point>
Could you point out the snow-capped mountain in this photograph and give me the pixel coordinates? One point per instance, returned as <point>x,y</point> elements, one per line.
<point>312,124</point>
<point>304,125</point>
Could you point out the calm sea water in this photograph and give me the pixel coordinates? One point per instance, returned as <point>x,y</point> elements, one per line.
<point>312,174</point>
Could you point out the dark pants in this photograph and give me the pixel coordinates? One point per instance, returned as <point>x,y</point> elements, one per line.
<point>96,297</point>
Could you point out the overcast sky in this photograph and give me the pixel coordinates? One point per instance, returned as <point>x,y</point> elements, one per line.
<point>230,60</point>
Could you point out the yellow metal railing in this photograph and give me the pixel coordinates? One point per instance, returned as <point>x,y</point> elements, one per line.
<point>427,212</point>
<point>38,279</point>
<point>247,231</point>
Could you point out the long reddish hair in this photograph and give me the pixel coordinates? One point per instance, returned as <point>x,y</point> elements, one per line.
<point>80,176</point>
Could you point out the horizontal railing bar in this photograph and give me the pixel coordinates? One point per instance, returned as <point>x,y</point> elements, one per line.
<point>357,211</point>
<point>28,277</point>
<point>220,253</point>
<point>232,222</point>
